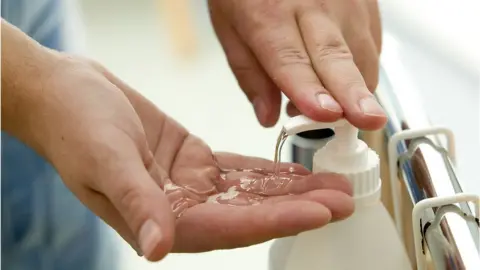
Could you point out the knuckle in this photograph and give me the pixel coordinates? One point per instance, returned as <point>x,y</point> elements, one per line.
<point>279,50</point>
<point>129,198</point>
<point>334,48</point>
<point>289,55</point>
<point>256,15</point>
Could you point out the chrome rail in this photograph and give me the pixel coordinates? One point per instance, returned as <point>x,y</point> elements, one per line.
<point>427,169</point>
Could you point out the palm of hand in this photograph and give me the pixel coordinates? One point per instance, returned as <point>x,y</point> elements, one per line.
<point>224,200</point>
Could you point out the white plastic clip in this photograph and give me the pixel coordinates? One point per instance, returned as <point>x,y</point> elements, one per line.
<point>393,159</point>
<point>435,230</point>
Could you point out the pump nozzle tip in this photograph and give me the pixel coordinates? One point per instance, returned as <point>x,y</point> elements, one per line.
<point>302,123</point>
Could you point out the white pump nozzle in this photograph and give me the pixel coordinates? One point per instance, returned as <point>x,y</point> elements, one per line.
<point>344,154</point>
<point>302,123</point>
<point>346,135</point>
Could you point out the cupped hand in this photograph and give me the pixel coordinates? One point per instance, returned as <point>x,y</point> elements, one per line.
<point>160,187</point>
<point>322,54</point>
<point>224,200</point>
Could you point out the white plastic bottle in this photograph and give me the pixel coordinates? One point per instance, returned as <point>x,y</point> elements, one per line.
<point>367,240</point>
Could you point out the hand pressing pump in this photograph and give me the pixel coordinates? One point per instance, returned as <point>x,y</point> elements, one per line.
<point>366,240</point>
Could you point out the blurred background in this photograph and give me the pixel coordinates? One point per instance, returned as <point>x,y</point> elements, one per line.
<point>167,50</point>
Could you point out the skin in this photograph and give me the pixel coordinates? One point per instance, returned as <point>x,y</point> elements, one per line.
<point>306,49</point>
<point>118,153</point>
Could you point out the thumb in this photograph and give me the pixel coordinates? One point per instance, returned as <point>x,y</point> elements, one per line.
<point>144,207</point>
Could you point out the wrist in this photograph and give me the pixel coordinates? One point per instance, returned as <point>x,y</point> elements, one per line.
<point>26,66</point>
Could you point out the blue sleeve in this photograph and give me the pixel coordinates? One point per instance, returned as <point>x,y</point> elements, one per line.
<point>44,226</point>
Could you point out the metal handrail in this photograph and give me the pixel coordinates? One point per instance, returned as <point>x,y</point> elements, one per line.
<point>427,169</point>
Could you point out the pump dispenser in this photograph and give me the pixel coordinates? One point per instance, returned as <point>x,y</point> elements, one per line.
<point>366,240</point>
<point>345,154</point>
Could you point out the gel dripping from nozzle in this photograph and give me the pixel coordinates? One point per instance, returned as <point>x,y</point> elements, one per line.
<point>277,159</point>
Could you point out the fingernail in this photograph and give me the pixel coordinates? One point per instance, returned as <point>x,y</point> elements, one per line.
<point>137,249</point>
<point>260,109</point>
<point>139,252</point>
<point>328,103</point>
<point>370,106</point>
<point>149,237</point>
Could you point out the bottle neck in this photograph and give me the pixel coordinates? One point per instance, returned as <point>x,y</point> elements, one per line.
<point>361,167</point>
<point>363,201</point>
<point>346,138</point>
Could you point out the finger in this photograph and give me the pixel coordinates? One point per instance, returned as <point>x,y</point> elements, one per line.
<point>361,42</point>
<point>365,56</point>
<point>228,161</point>
<point>278,46</point>
<point>292,110</point>
<point>141,202</point>
<point>320,181</point>
<point>375,24</point>
<point>255,83</point>
<point>340,204</point>
<point>334,65</point>
<point>215,226</point>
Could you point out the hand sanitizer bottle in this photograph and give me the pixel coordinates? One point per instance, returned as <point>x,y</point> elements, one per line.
<point>366,240</point>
